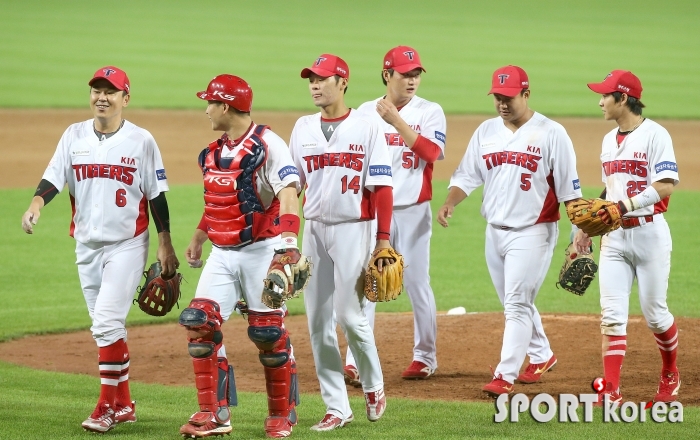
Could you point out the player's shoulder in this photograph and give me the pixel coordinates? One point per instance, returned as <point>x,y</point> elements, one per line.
<point>136,132</point>
<point>543,121</point>
<point>270,137</point>
<point>654,127</point>
<point>491,124</point>
<point>424,105</point>
<point>307,120</point>
<point>368,106</point>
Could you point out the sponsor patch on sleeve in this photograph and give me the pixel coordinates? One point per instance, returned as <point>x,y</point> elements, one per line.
<point>440,136</point>
<point>160,174</point>
<point>577,184</point>
<point>666,166</point>
<point>380,170</point>
<point>286,171</point>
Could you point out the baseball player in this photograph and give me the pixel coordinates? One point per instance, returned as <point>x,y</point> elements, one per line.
<point>250,198</point>
<point>527,165</point>
<point>639,171</point>
<point>114,172</point>
<point>346,167</point>
<point>414,129</point>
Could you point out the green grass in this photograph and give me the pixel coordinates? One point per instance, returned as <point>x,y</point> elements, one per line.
<point>59,402</point>
<point>171,49</point>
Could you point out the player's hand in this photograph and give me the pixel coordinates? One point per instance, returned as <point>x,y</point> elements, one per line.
<point>29,219</point>
<point>444,213</point>
<point>193,254</point>
<point>166,255</point>
<point>383,244</point>
<point>582,242</point>
<point>388,111</point>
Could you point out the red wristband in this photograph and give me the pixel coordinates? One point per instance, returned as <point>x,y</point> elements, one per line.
<point>289,223</point>
<point>383,236</point>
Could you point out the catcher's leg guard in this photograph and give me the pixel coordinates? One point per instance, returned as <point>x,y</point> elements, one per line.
<point>212,373</point>
<point>267,331</point>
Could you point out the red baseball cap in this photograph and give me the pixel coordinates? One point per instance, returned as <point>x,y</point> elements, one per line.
<point>402,59</point>
<point>114,75</point>
<point>622,81</point>
<point>327,65</point>
<point>509,81</point>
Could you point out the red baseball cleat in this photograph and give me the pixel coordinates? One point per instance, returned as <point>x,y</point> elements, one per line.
<point>417,370</point>
<point>331,422</point>
<point>498,386</point>
<point>534,372</point>
<point>376,404</point>
<point>669,384</point>
<point>352,376</point>
<point>101,420</point>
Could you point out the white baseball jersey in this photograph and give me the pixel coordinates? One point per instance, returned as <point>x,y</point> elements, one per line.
<point>341,172</point>
<point>110,181</point>
<point>412,176</point>
<point>277,172</point>
<point>525,174</point>
<point>644,157</point>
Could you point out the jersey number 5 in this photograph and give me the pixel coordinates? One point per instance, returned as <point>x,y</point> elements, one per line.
<point>525,183</point>
<point>120,199</point>
<point>353,185</point>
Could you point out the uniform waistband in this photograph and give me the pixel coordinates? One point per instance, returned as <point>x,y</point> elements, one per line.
<point>633,222</point>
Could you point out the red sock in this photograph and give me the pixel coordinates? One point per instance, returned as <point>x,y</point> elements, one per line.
<point>668,346</point>
<point>123,393</point>
<point>110,358</point>
<point>614,348</point>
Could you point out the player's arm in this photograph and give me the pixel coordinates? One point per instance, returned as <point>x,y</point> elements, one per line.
<point>385,205</point>
<point>653,194</point>
<point>44,193</point>
<point>161,218</point>
<point>193,253</point>
<point>454,198</point>
<point>289,215</point>
<point>426,149</point>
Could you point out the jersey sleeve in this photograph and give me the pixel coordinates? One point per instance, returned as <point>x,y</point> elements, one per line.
<point>379,161</point>
<point>296,157</point>
<point>59,167</point>
<point>153,178</point>
<point>434,127</point>
<point>567,185</point>
<point>662,158</point>
<point>468,175</point>
<point>279,169</point>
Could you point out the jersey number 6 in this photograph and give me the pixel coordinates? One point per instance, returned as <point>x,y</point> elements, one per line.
<point>120,199</point>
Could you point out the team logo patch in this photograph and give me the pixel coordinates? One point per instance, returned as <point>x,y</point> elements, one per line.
<point>577,184</point>
<point>108,72</point>
<point>160,174</point>
<point>409,54</point>
<point>379,170</point>
<point>286,171</point>
<point>666,166</point>
<point>440,136</point>
<point>502,78</point>
<point>319,60</point>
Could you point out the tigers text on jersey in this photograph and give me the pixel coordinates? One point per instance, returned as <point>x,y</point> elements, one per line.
<point>277,172</point>
<point>412,176</point>
<point>110,181</point>
<point>525,174</point>
<point>644,157</point>
<point>340,173</point>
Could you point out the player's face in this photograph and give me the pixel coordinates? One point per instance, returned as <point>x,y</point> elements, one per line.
<point>511,109</point>
<point>403,86</point>
<point>106,101</point>
<point>326,91</point>
<point>611,109</point>
<point>215,111</point>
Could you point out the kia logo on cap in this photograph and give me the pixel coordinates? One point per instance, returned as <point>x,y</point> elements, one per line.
<point>502,78</point>
<point>409,54</point>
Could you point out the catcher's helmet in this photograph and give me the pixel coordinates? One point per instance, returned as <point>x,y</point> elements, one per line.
<point>230,89</point>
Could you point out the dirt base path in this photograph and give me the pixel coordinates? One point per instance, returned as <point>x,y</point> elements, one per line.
<point>467,345</point>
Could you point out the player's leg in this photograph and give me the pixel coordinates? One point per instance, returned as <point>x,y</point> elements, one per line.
<point>318,301</point>
<point>653,258</point>
<point>113,272</point>
<point>350,371</point>
<point>412,228</point>
<point>615,277</point>
<point>268,333</point>
<point>203,319</point>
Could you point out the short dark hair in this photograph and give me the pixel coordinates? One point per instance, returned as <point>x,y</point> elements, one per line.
<point>391,73</point>
<point>337,78</point>
<point>522,92</point>
<point>634,104</point>
<point>235,110</point>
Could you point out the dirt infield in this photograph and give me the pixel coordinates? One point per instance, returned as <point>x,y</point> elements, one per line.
<point>467,344</point>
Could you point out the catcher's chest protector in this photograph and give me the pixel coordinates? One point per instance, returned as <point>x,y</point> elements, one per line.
<point>234,212</point>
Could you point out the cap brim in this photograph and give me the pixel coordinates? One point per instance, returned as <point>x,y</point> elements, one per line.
<point>506,91</point>
<point>306,72</point>
<point>205,96</point>
<point>116,86</point>
<point>601,88</point>
<point>407,68</point>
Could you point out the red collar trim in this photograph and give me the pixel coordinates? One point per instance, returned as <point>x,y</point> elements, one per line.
<point>232,143</point>
<point>342,118</point>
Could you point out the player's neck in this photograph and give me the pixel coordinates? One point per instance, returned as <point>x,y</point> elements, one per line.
<point>628,122</point>
<point>335,110</point>
<point>397,100</point>
<point>108,125</point>
<point>517,123</point>
<point>238,126</point>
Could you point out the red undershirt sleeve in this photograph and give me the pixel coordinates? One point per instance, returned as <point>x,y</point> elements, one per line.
<point>426,149</point>
<point>385,206</point>
<point>202,224</point>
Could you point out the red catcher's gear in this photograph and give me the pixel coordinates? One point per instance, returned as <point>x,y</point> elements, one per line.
<point>230,89</point>
<point>234,213</point>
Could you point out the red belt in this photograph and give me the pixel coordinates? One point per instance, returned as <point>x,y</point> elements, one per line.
<point>633,222</point>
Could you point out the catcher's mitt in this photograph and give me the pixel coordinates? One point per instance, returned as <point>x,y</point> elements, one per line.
<point>287,277</point>
<point>578,271</point>
<point>387,285</point>
<point>595,216</point>
<point>157,296</point>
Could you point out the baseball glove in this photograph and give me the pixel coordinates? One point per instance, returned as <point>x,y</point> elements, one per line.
<point>578,271</point>
<point>158,295</point>
<point>287,277</point>
<point>595,216</point>
<point>387,284</point>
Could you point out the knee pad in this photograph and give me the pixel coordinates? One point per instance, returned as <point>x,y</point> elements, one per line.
<point>203,315</point>
<point>267,331</point>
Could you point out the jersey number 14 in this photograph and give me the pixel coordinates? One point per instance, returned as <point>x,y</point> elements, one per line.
<point>352,185</point>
